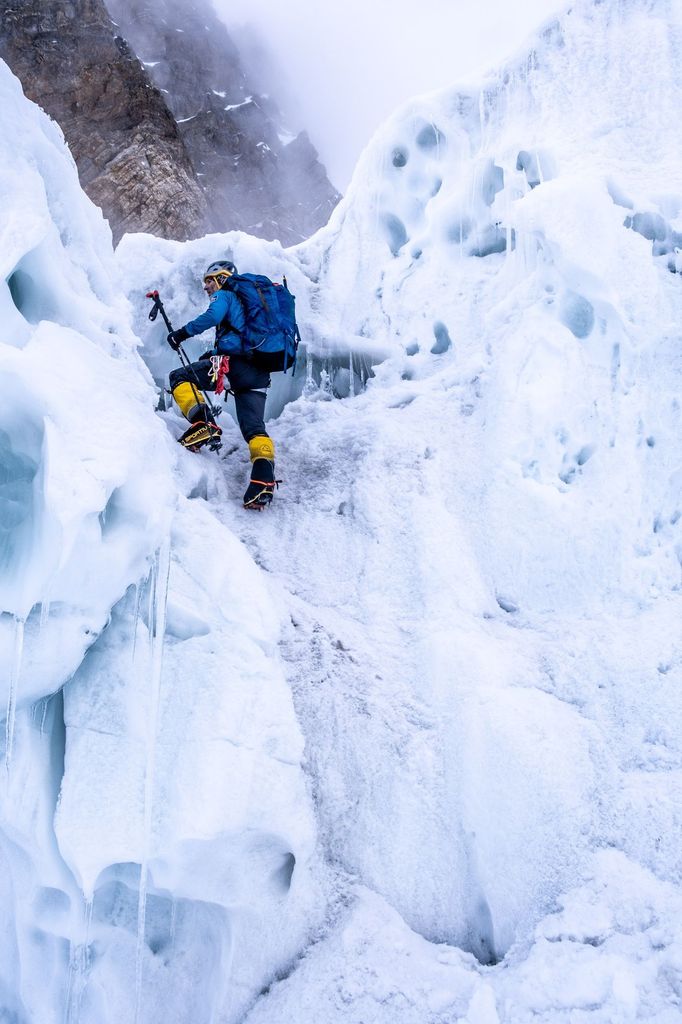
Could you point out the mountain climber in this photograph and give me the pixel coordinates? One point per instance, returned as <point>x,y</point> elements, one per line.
<point>247,383</point>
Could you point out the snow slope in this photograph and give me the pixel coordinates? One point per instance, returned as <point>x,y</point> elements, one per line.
<point>408,748</point>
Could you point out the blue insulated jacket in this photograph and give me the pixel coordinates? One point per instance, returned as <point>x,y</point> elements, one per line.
<point>225,313</point>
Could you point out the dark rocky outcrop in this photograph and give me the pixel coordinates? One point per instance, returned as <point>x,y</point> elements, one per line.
<point>131,158</point>
<point>174,143</point>
<point>254,176</point>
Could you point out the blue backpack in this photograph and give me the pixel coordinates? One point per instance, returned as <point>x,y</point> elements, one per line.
<point>271,334</point>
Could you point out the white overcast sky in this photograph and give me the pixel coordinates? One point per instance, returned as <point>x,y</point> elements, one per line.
<point>349,64</point>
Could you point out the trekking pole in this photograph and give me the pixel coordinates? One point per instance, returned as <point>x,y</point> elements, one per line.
<point>153,313</point>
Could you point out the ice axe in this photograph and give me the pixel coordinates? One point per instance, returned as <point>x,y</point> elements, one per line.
<point>153,313</point>
<point>158,308</point>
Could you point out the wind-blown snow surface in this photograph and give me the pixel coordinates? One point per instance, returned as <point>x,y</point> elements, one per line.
<point>470,582</point>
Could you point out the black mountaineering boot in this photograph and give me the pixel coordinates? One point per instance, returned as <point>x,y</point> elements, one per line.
<point>202,433</point>
<point>262,485</point>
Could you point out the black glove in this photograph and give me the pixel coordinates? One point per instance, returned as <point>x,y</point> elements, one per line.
<point>176,338</point>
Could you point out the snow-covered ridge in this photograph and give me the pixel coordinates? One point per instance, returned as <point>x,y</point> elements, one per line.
<point>469,587</point>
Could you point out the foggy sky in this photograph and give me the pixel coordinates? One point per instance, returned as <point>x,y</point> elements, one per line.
<point>348,65</point>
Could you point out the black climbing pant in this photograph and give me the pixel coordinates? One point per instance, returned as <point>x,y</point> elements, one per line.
<point>247,383</point>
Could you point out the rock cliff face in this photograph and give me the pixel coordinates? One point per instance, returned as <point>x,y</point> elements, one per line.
<point>255,176</point>
<point>131,159</point>
<point>174,144</point>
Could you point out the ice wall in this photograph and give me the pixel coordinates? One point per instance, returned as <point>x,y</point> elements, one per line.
<point>469,583</point>
<point>156,838</point>
<point>516,245</point>
<point>73,390</point>
<point>482,548</point>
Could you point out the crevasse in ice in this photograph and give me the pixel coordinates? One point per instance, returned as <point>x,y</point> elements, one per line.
<point>421,722</point>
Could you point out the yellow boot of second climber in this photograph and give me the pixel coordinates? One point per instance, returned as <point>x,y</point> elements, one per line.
<point>262,484</point>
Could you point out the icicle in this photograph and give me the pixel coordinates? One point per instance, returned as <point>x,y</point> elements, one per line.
<point>141,928</point>
<point>540,171</point>
<point>44,614</point>
<point>309,386</point>
<point>15,671</point>
<point>351,382</point>
<point>79,963</point>
<point>69,987</point>
<point>173,922</point>
<point>138,605</point>
<point>45,702</point>
<point>158,601</point>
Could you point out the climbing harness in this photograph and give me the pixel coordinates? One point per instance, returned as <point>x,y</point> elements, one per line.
<point>220,367</point>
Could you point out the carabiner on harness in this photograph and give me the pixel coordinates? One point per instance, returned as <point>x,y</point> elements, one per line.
<point>220,367</point>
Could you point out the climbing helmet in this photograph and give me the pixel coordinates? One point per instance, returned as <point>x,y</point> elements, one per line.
<point>219,271</point>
